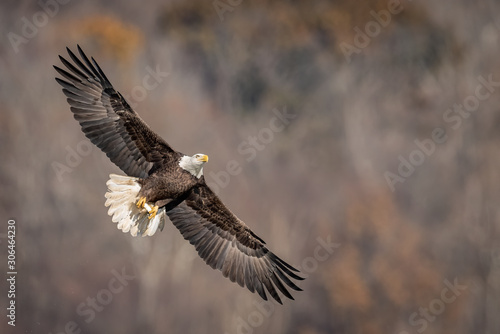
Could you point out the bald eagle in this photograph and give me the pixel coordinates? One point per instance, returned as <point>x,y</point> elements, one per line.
<point>163,182</point>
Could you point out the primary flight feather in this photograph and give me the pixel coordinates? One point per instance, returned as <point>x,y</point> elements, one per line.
<point>163,182</point>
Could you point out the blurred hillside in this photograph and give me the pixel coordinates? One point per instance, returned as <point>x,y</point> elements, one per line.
<point>382,185</point>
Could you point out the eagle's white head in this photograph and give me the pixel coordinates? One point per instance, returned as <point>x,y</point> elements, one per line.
<point>194,164</point>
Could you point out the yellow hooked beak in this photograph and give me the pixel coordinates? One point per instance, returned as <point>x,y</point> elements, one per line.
<point>203,158</point>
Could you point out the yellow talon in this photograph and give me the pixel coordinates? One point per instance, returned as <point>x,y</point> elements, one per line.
<point>141,202</point>
<point>153,212</point>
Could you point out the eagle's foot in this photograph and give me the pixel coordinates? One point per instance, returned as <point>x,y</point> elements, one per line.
<point>140,203</point>
<point>153,212</point>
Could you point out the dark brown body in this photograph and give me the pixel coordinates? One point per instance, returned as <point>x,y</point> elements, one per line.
<point>166,184</point>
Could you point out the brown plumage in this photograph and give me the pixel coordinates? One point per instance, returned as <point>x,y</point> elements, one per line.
<point>164,182</point>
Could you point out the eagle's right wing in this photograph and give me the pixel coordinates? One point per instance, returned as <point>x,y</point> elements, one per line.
<point>108,121</point>
<point>225,243</point>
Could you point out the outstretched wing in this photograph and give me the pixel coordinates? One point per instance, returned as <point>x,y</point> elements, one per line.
<point>108,121</point>
<point>225,243</point>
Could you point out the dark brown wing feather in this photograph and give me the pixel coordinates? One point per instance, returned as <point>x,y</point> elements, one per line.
<point>225,243</point>
<point>108,121</point>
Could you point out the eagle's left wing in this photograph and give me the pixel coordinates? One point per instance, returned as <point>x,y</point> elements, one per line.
<point>109,121</point>
<point>225,243</point>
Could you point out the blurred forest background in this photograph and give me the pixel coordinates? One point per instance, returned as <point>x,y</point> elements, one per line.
<point>418,254</point>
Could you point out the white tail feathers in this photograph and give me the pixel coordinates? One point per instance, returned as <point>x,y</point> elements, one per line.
<point>122,196</point>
